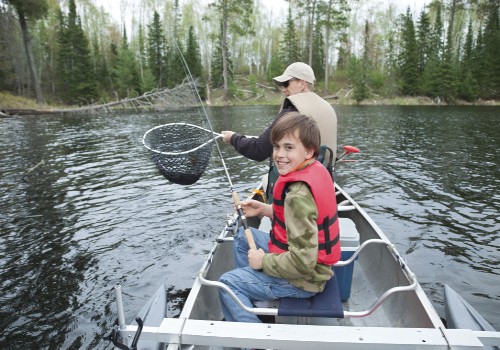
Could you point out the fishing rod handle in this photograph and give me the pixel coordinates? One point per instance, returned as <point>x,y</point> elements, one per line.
<point>248,233</point>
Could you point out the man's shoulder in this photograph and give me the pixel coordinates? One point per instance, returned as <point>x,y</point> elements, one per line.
<point>309,100</point>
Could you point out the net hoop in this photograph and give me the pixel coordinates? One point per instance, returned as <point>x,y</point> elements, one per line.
<point>182,152</point>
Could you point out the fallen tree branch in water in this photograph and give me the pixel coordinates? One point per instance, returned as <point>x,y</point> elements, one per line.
<point>181,96</point>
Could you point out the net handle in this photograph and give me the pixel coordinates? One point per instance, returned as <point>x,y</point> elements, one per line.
<point>183,152</point>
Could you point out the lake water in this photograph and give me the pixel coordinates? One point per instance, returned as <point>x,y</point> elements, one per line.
<point>95,211</point>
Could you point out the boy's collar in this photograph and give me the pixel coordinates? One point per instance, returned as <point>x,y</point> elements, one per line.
<point>304,164</point>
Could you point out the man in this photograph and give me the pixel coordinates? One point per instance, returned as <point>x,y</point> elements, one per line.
<point>297,84</point>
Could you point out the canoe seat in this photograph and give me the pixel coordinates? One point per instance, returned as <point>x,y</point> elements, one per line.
<point>324,304</point>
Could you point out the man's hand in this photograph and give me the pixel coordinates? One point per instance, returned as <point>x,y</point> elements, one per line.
<point>255,258</point>
<point>226,135</point>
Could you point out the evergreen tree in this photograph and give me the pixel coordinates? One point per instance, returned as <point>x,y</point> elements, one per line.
<point>128,80</point>
<point>343,57</point>
<point>113,62</point>
<point>101,68</point>
<point>468,89</point>
<point>318,60</point>
<point>147,79</point>
<point>193,60</point>
<point>449,72</point>
<point>77,83</point>
<point>289,48</point>
<point>408,57</point>
<point>491,53</point>
<point>431,82</point>
<point>193,55</point>
<point>176,69</point>
<point>391,68</point>
<point>362,67</point>
<point>423,40</point>
<point>156,50</point>
<point>423,46</point>
<point>478,69</point>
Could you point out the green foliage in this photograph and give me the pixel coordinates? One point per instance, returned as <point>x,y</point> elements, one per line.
<point>489,53</point>
<point>318,62</point>
<point>469,87</point>
<point>358,79</point>
<point>275,68</point>
<point>193,60</point>
<point>217,76</point>
<point>193,56</point>
<point>449,83</point>
<point>148,81</point>
<point>252,83</point>
<point>431,79</point>
<point>33,9</point>
<point>289,48</point>
<point>176,72</point>
<point>77,83</point>
<point>156,50</point>
<point>235,19</point>
<point>423,40</point>
<point>128,81</point>
<point>377,80</point>
<point>408,57</point>
<point>450,52</point>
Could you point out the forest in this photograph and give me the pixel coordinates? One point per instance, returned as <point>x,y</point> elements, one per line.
<point>73,52</point>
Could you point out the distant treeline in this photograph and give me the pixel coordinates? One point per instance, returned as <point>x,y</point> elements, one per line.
<point>73,52</point>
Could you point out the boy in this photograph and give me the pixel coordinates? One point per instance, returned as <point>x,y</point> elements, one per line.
<point>295,259</point>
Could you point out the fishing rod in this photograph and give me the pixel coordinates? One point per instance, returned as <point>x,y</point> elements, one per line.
<point>186,166</point>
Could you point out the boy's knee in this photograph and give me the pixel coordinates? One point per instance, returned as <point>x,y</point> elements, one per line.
<point>226,278</point>
<point>240,237</point>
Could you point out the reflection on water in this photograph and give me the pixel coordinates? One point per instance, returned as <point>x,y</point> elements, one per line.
<point>96,212</point>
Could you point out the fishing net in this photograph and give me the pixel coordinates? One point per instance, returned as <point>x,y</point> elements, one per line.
<point>180,151</point>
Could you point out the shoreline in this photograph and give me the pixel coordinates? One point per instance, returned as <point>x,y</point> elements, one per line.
<point>19,106</point>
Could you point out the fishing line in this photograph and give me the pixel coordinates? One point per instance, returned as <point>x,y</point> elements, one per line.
<point>191,78</point>
<point>171,148</point>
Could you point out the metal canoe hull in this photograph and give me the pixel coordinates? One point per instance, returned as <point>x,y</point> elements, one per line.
<point>405,320</point>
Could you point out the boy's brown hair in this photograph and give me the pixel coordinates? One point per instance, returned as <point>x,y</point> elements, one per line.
<point>308,129</point>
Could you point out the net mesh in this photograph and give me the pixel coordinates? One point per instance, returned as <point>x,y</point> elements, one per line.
<point>181,152</point>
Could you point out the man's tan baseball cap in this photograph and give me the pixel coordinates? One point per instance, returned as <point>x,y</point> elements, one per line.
<point>297,70</point>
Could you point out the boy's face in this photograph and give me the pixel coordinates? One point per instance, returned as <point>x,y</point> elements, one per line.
<point>289,153</point>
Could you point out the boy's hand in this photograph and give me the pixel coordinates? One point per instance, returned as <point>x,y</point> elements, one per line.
<point>251,207</point>
<point>255,258</point>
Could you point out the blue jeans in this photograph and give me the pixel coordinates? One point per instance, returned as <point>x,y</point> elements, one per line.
<point>251,285</point>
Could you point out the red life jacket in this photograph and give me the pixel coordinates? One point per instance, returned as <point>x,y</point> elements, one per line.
<point>321,185</point>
